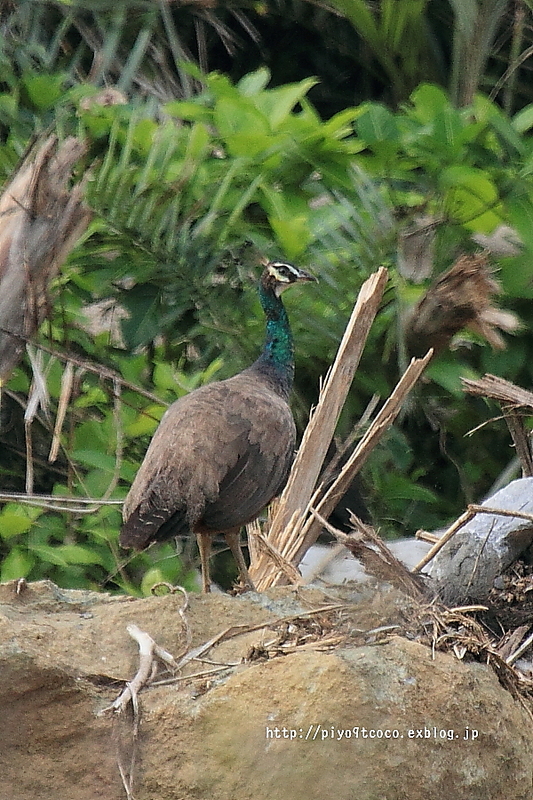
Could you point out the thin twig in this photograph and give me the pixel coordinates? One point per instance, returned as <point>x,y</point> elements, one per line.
<point>45,423</point>
<point>87,505</point>
<point>425,536</point>
<point>205,673</point>
<point>239,630</point>
<point>119,444</point>
<point>96,369</point>
<point>500,512</point>
<point>465,517</point>
<point>521,440</point>
<point>29,456</point>
<point>477,559</point>
<point>374,555</point>
<point>227,633</point>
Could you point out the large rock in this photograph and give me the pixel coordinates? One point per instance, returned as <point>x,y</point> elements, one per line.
<point>465,569</point>
<point>383,720</point>
<point>335,564</point>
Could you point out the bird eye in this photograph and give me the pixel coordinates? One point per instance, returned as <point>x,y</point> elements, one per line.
<point>283,272</point>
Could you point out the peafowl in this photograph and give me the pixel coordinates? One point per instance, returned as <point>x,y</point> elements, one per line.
<point>222,452</point>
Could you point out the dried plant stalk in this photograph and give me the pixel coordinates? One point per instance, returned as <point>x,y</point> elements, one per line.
<point>521,440</point>
<point>67,382</point>
<point>499,389</point>
<point>366,545</point>
<point>511,398</point>
<point>375,432</point>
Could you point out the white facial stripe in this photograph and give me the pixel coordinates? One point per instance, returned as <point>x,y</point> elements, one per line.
<point>279,276</point>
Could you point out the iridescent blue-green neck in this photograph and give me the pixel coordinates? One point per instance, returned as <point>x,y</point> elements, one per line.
<point>277,357</point>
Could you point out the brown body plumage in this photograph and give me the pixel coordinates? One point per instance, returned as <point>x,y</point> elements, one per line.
<point>221,453</point>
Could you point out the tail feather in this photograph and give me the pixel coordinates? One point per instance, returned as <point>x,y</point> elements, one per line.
<point>142,528</point>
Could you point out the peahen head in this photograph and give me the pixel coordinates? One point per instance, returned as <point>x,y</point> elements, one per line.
<point>277,357</point>
<point>278,276</point>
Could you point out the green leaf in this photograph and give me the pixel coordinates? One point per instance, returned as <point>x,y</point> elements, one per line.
<point>447,372</point>
<point>428,101</point>
<point>517,273</point>
<point>95,458</point>
<point>198,142</point>
<point>517,276</point>
<point>92,396</point>
<point>17,564</point>
<point>341,124</point>
<point>277,104</point>
<point>359,14</point>
<point>12,524</point>
<point>523,121</point>
<point>471,197</point>
<point>19,381</point>
<point>16,519</point>
<point>378,129</point>
<point>44,90</point>
<point>146,422</point>
<point>143,324</point>
<point>399,487</point>
<point>248,144</point>
<point>293,234</point>
<point>96,481</point>
<point>254,82</point>
<point>237,115</point>
<point>506,362</point>
<point>211,370</point>
<point>169,571</point>
<point>133,367</point>
<point>192,111</point>
<point>165,376</point>
<point>8,106</point>
<point>150,578</point>
<point>143,135</point>
<point>77,554</point>
<point>49,554</point>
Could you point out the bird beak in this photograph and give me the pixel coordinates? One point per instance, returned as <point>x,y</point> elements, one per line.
<point>306,276</point>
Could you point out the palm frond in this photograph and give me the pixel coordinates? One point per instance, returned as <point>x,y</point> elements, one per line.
<point>136,45</point>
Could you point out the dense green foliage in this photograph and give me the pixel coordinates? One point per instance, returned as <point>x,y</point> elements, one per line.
<point>186,194</point>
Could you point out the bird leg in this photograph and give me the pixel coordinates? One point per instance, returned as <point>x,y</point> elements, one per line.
<point>204,546</point>
<point>234,541</point>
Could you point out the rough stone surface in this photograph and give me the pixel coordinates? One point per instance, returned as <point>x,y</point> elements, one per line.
<point>64,656</point>
<point>465,569</point>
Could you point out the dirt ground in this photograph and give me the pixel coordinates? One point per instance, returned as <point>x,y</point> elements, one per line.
<point>278,707</point>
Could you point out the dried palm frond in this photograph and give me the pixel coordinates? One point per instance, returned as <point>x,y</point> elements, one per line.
<point>460,298</point>
<point>41,218</point>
